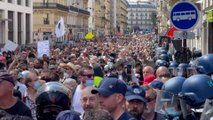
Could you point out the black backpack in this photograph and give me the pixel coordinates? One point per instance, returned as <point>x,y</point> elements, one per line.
<point>17,93</point>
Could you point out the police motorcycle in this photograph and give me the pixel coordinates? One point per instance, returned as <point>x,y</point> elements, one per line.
<point>168,102</point>
<point>51,99</point>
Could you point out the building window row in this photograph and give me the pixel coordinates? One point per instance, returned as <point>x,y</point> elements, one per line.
<point>19,2</point>
<point>20,28</point>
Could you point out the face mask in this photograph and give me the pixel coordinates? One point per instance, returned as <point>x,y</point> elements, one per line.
<point>120,72</point>
<point>37,85</point>
<point>66,75</point>
<point>172,112</point>
<point>89,82</point>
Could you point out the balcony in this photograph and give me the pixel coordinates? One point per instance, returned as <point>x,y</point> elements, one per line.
<point>59,7</point>
<point>50,6</point>
<point>82,11</point>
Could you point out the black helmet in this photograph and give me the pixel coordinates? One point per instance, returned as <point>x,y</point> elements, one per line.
<point>205,64</point>
<point>51,99</point>
<point>196,89</point>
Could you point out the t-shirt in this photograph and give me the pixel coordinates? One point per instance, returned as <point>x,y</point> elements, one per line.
<point>76,104</point>
<point>19,109</point>
<point>22,88</point>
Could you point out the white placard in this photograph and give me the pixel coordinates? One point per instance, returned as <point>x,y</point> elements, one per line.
<point>43,47</point>
<point>10,46</point>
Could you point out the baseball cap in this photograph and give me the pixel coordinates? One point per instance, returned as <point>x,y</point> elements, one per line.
<point>68,115</point>
<point>7,77</point>
<point>109,86</point>
<point>156,84</point>
<point>135,92</point>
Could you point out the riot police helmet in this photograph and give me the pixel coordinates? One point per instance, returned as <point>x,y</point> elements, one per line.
<point>164,57</point>
<point>160,62</point>
<point>182,69</point>
<point>51,99</point>
<point>204,64</point>
<point>167,98</point>
<point>196,89</point>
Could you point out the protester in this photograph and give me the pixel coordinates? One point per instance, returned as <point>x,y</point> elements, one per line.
<point>8,102</point>
<point>88,100</point>
<point>147,70</point>
<point>86,73</point>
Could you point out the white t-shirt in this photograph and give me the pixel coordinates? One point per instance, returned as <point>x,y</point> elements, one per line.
<point>22,88</point>
<point>76,104</point>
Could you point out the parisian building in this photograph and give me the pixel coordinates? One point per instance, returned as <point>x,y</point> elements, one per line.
<point>47,13</point>
<point>16,21</point>
<point>141,16</point>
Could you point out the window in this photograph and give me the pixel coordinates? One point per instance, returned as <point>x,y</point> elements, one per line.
<point>46,19</point>
<point>19,2</point>
<point>27,2</point>
<point>10,26</point>
<point>9,1</point>
<point>28,28</point>
<point>19,28</point>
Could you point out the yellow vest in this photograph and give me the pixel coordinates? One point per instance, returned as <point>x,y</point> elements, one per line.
<point>97,80</point>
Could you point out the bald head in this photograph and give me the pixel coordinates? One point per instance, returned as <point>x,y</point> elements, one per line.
<point>147,70</point>
<point>161,70</point>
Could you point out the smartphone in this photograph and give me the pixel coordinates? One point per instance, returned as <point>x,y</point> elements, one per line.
<point>129,69</point>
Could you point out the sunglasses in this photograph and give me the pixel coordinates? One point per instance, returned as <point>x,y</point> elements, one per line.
<point>89,75</point>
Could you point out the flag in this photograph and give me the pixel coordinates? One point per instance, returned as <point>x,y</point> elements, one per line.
<point>60,28</point>
<point>89,36</point>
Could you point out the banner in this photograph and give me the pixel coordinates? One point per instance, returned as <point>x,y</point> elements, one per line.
<point>60,28</point>
<point>43,47</point>
<point>210,16</point>
<point>10,46</point>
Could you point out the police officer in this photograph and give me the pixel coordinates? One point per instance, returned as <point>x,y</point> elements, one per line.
<point>112,97</point>
<point>168,101</point>
<point>195,91</point>
<point>52,98</point>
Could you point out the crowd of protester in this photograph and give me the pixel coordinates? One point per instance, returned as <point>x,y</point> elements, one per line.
<point>90,80</point>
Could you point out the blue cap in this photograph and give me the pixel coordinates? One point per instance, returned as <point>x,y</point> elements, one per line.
<point>68,115</point>
<point>135,93</point>
<point>156,84</point>
<point>109,86</point>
